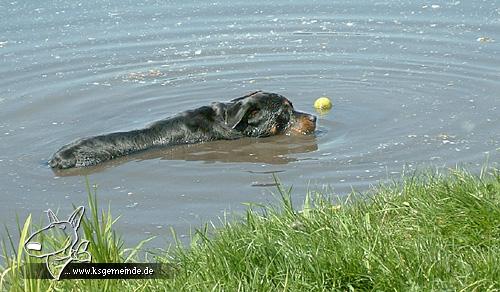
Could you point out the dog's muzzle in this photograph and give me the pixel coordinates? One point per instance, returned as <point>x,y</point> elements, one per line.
<point>302,123</point>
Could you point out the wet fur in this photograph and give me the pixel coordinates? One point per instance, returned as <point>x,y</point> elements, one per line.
<point>258,114</point>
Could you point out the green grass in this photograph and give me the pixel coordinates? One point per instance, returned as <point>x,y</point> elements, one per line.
<point>428,232</point>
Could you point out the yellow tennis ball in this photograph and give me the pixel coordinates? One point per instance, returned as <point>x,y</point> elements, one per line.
<point>323,103</point>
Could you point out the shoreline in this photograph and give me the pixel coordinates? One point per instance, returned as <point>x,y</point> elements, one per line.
<point>431,231</point>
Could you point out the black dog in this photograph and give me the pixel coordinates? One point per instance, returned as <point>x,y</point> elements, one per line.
<point>258,114</point>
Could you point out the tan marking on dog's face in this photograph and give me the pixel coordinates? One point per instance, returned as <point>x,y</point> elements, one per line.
<point>274,130</point>
<point>303,124</point>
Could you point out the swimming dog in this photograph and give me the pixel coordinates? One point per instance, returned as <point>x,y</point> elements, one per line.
<point>258,114</point>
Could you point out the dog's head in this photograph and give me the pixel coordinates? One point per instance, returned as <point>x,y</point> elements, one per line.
<point>262,114</point>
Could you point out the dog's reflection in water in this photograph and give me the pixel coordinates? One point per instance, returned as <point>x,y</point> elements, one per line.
<point>271,150</point>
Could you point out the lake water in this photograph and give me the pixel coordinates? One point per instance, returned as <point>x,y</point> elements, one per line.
<point>414,84</point>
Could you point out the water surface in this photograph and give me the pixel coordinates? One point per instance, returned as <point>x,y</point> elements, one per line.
<point>413,83</point>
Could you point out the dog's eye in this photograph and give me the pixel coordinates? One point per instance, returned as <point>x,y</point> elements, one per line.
<point>282,122</point>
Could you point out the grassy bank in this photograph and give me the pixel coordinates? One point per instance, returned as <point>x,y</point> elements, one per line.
<point>429,232</point>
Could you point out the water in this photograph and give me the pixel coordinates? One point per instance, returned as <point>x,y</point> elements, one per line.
<point>414,84</point>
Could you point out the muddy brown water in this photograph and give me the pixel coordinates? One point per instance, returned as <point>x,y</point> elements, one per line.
<point>414,85</point>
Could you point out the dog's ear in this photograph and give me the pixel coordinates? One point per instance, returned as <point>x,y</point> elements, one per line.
<point>245,96</point>
<point>238,109</point>
<point>236,114</point>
